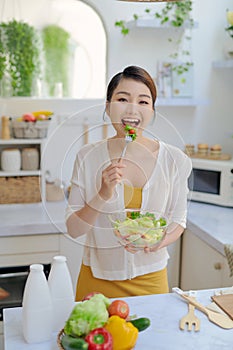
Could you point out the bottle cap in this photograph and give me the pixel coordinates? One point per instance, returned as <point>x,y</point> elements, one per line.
<point>36,267</point>
<point>59,258</point>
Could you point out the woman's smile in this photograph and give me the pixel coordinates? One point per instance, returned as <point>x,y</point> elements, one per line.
<point>134,122</point>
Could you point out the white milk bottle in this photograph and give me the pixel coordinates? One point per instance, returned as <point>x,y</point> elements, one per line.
<point>61,290</point>
<point>37,307</point>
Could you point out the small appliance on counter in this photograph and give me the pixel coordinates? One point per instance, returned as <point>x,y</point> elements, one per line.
<point>211,181</point>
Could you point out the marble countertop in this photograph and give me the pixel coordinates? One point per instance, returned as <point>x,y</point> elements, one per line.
<point>33,218</point>
<point>211,223</point>
<point>164,312</point>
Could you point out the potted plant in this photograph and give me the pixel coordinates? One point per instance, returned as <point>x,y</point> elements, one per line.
<point>56,43</point>
<point>229,28</point>
<point>20,57</point>
<point>228,46</point>
<point>176,14</point>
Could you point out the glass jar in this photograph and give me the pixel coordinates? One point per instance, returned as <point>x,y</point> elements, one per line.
<point>30,159</point>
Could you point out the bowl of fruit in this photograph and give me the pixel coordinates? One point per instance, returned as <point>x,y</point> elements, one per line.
<point>138,229</point>
<point>98,322</point>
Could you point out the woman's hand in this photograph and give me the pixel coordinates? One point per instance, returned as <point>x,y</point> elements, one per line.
<point>111,176</point>
<point>147,250</point>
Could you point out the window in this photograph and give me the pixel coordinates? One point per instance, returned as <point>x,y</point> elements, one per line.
<point>88,47</point>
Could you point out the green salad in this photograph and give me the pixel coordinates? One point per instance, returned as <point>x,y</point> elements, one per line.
<point>140,229</point>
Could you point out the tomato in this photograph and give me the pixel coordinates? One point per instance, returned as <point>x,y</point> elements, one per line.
<point>119,308</point>
<point>131,131</point>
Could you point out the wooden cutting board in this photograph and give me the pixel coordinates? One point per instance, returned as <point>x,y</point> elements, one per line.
<point>225,302</point>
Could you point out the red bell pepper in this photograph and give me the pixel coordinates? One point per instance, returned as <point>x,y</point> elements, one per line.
<point>99,339</point>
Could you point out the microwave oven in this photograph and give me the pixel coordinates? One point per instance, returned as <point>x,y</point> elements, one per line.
<point>211,181</point>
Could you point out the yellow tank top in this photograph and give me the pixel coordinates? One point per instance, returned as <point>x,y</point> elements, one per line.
<point>132,197</point>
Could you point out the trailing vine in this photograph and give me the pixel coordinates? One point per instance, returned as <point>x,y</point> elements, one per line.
<point>176,14</point>
<point>57,55</point>
<point>19,56</point>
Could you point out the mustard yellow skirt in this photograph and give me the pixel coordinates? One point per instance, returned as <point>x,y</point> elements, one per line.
<point>151,283</point>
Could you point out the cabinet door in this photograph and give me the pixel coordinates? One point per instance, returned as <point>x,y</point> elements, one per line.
<point>202,267</point>
<point>173,268</point>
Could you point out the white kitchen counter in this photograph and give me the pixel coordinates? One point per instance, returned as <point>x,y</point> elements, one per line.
<point>211,223</point>
<point>33,218</point>
<point>164,311</point>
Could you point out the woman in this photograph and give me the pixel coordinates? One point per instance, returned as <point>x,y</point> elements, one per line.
<point>152,176</point>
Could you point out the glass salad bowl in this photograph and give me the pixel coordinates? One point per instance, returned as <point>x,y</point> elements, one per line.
<point>137,229</point>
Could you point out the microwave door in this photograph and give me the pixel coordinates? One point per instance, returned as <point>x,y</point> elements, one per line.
<point>205,181</point>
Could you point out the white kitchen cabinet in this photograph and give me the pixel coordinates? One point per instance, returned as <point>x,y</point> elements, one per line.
<point>202,267</point>
<point>21,144</point>
<point>26,250</point>
<point>173,268</point>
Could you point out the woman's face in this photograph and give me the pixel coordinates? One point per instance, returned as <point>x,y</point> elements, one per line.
<point>131,104</point>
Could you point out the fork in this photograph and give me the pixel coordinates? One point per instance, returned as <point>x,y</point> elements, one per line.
<point>128,139</point>
<point>190,319</point>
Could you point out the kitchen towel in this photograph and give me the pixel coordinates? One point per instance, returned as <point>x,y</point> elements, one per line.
<point>228,249</point>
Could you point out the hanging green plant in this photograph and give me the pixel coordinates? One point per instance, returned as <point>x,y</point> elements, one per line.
<point>57,57</point>
<point>20,56</point>
<point>176,14</point>
<point>2,56</point>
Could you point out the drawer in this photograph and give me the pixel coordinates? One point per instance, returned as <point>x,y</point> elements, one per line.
<point>27,259</point>
<point>29,244</point>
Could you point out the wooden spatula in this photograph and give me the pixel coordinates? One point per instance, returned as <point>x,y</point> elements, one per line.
<point>219,319</point>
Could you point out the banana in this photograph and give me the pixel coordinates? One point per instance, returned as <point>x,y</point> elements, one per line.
<point>43,112</point>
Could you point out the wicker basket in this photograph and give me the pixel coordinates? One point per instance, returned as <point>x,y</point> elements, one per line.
<point>59,337</point>
<point>30,130</point>
<point>20,189</point>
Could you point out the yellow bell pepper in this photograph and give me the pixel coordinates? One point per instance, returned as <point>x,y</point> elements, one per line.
<point>124,333</point>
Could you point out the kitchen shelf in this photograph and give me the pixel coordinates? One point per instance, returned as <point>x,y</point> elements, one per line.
<point>179,102</point>
<point>154,23</point>
<point>223,64</point>
<point>21,142</point>
<point>20,173</point>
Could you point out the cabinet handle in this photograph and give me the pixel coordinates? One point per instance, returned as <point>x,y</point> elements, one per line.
<point>217,266</point>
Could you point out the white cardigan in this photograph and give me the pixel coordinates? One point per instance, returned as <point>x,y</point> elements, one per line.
<point>165,192</point>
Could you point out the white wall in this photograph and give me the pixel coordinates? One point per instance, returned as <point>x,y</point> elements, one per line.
<point>212,123</point>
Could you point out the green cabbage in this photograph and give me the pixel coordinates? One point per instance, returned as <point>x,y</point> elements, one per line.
<point>87,315</point>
